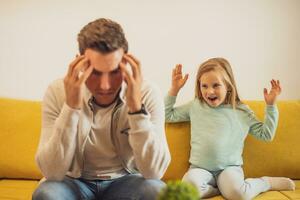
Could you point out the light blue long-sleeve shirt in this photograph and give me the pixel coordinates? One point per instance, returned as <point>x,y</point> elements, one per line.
<point>218,134</point>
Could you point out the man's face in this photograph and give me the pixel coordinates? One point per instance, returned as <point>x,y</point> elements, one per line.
<point>106,78</point>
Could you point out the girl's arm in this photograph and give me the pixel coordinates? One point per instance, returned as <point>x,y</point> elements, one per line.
<point>266,130</point>
<point>181,113</point>
<point>177,114</point>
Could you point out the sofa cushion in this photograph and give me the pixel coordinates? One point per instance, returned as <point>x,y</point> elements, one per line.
<point>293,194</point>
<point>178,137</point>
<point>272,195</point>
<point>17,189</point>
<point>20,127</point>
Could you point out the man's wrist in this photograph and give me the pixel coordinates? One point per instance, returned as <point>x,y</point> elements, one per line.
<point>142,110</point>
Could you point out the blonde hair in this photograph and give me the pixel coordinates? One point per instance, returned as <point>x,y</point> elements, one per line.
<point>220,65</point>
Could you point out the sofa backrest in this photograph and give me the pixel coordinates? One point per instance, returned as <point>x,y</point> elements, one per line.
<point>281,157</point>
<point>20,125</point>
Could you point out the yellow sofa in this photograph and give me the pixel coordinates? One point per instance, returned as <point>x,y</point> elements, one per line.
<point>20,124</point>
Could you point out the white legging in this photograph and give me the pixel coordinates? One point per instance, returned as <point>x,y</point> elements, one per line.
<point>229,182</point>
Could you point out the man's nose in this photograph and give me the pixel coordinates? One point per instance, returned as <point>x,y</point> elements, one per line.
<point>105,82</point>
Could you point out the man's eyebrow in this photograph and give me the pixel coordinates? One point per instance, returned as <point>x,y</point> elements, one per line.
<point>117,69</point>
<point>96,71</point>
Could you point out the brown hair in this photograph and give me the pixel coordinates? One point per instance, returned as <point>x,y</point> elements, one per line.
<point>103,35</point>
<point>221,65</point>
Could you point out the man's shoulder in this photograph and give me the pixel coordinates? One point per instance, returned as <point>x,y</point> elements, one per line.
<point>58,83</point>
<point>55,91</point>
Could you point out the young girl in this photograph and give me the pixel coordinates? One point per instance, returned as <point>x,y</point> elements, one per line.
<point>220,123</point>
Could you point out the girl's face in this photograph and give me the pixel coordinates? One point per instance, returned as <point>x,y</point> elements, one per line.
<point>213,88</point>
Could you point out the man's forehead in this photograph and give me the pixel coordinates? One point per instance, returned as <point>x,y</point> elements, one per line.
<point>104,62</point>
<point>100,71</point>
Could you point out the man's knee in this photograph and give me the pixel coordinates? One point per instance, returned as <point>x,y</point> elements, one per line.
<point>134,187</point>
<point>53,191</point>
<point>150,188</point>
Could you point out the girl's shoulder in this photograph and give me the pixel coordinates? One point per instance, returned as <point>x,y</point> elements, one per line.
<point>197,102</point>
<point>244,108</point>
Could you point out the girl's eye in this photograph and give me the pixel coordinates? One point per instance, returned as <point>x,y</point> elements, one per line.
<point>204,86</point>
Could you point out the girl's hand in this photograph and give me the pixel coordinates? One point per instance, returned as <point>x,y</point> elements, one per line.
<point>270,97</point>
<point>178,80</point>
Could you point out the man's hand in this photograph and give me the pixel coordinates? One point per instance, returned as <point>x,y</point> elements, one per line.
<point>78,72</point>
<point>134,81</point>
<point>178,80</point>
<point>270,97</point>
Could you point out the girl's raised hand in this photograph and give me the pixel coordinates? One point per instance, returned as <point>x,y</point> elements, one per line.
<point>270,97</point>
<point>178,80</point>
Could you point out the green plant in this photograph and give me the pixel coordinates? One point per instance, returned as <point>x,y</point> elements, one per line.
<point>178,190</point>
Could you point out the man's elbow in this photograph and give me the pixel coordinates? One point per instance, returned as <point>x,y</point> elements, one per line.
<point>53,174</point>
<point>159,171</point>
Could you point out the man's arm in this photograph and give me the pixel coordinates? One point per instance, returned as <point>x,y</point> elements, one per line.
<point>58,136</point>
<point>147,136</point>
<point>60,115</point>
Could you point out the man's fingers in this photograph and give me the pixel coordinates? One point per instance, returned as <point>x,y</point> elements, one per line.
<point>135,65</point>
<point>73,64</point>
<point>81,66</point>
<point>86,74</point>
<point>127,76</point>
<point>133,58</point>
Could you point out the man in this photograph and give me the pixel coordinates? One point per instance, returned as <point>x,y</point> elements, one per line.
<point>102,126</point>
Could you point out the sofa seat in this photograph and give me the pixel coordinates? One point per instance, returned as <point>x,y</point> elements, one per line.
<point>23,189</point>
<point>11,189</point>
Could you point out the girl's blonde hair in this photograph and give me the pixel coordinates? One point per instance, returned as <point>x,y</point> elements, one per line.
<point>222,66</point>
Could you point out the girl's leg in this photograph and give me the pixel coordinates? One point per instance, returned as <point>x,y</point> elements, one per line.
<point>232,185</point>
<point>280,183</point>
<point>203,180</point>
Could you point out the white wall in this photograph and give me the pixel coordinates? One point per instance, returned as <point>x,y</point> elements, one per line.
<point>261,39</point>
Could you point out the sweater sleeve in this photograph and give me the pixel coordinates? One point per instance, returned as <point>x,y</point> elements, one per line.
<point>177,114</point>
<point>264,130</point>
<point>58,135</point>
<point>147,136</point>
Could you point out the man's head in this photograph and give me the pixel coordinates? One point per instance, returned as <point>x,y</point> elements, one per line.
<point>104,44</point>
<point>102,35</point>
